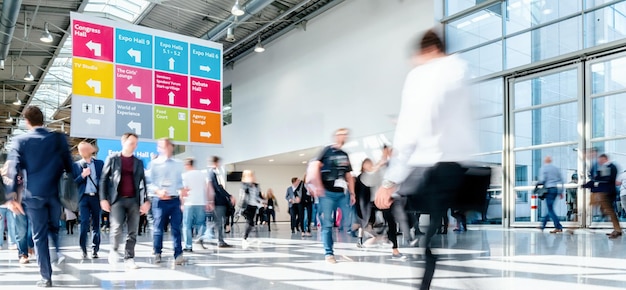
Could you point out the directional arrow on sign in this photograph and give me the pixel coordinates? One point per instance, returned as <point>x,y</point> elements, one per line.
<point>91,121</point>
<point>135,126</point>
<point>171,95</point>
<point>205,68</point>
<point>205,102</point>
<point>95,85</point>
<point>135,90</point>
<point>171,61</point>
<point>206,134</point>
<point>171,129</point>
<point>95,47</point>
<point>136,54</point>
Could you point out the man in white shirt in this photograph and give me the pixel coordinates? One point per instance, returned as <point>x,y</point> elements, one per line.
<point>434,132</point>
<point>194,215</point>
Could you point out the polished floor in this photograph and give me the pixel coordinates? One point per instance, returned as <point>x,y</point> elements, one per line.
<point>482,258</point>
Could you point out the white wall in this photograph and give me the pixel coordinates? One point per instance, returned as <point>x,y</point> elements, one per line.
<point>278,178</point>
<point>345,70</point>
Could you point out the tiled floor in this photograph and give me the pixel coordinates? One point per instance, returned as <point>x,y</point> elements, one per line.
<point>483,258</point>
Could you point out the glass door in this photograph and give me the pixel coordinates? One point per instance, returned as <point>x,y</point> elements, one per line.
<point>606,103</point>
<point>545,115</point>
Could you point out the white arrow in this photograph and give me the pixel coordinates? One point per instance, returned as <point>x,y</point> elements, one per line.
<point>91,121</point>
<point>205,134</point>
<point>95,85</point>
<point>136,54</point>
<point>171,129</point>
<point>172,61</point>
<point>171,95</point>
<point>95,47</point>
<point>135,90</point>
<point>135,126</point>
<point>205,68</point>
<point>205,102</point>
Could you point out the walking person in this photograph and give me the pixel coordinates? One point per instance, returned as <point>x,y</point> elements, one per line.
<point>194,214</point>
<point>250,201</point>
<point>123,193</point>
<point>306,209</point>
<point>293,200</point>
<point>550,177</point>
<point>272,207</point>
<point>166,190</point>
<point>88,172</point>
<point>332,182</point>
<point>219,200</point>
<point>70,220</point>
<point>434,133</point>
<point>40,156</point>
<point>603,191</point>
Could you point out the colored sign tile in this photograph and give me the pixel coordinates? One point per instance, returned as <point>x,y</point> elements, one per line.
<point>205,62</point>
<point>205,95</point>
<point>171,123</point>
<point>171,55</point>
<point>92,78</point>
<point>133,48</point>
<point>132,117</point>
<point>109,147</point>
<point>92,117</point>
<point>170,89</point>
<point>92,41</point>
<point>133,84</point>
<point>205,127</point>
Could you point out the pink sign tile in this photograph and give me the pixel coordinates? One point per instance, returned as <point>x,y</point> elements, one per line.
<point>92,40</point>
<point>206,94</point>
<point>133,84</point>
<point>171,89</point>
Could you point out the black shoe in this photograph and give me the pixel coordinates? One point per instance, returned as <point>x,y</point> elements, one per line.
<point>224,245</point>
<point>139,234</point>
<point>201,243</point>
<point>419,233</point>
<point>94,255</point>
<point>44,283</point>
<point>187,250</point>
<point>84,255</point>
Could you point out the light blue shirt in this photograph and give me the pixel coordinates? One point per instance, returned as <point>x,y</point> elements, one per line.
<point>550,176</point>
<point>165,174</point>
<point>90,186</point>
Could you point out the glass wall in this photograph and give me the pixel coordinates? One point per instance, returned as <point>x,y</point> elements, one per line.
<point>547,113</point>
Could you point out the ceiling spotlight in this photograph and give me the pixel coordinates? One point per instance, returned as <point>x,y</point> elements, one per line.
<point>28,76</point>
<point>259,46</point>
<point>17,102</point>
<point>271,160</point>
<point>236,10</point>
<point>46,36</point>
<point>230,34</point>
<point>9,118</point>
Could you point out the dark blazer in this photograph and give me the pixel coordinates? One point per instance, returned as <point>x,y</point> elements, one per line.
<point>81,182</point>
<point>605,177</point>
<point>41,157</point>
<point>112,175</point>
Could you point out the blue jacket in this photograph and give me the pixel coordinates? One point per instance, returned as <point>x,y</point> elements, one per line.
<point>40,156</point>
<point>81,182</point>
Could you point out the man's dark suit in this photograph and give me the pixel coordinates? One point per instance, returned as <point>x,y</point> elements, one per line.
<point>41,157</point>
<point>88,204</point>
<point>123,209</point>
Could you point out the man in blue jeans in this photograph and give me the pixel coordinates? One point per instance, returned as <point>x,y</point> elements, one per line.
<point>550,177</point>
<point>165,186</point>
<point>331,180</point>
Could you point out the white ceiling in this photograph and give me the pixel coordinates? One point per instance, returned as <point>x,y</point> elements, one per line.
<point>289,158</point>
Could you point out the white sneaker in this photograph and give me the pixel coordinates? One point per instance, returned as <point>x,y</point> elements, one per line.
<point>60,258</point>
<point>245,244</point>
<point>130,264</point>
<point>113,257</point>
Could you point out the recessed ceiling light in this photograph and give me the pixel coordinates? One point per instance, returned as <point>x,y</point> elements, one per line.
<point>304,162</point>
<point>301,154</point>
<point>271,160</point>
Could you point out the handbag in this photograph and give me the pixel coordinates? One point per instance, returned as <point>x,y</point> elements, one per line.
<point>540,191</point>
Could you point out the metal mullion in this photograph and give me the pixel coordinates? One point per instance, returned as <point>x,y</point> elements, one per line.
<point>488,153</point>
<point>508,162</point>
<point>531,108</point>
<point>607,94</point>
<point>545,146</point>
<point>605,139</point>
<point>601,6</point>
<point>468,11</point>
<point>490,116</point>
